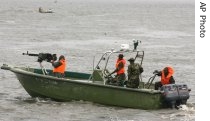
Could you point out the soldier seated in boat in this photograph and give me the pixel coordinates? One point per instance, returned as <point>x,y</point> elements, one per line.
<point>120,70</point>
<point>59,67</point>
<point>134,70</point>
<point>166,77</point>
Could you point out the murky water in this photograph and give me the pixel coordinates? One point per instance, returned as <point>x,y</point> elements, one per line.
<point>79,29</point>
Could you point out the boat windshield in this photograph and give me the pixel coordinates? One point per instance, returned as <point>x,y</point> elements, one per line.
<point>107,61</point>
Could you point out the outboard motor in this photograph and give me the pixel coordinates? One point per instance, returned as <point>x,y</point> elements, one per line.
<point>175,94</point>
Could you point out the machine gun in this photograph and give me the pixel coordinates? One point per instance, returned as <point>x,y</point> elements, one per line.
<point>43,57</point>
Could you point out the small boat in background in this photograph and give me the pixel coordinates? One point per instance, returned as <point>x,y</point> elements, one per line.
<point>41,10</point>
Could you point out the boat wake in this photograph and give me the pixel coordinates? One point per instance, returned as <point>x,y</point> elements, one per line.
<point>32,100</point>
<point>184,113</point>
<point>186,107</point>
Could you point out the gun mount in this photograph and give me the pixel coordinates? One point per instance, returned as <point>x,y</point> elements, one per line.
<point>43,57</point>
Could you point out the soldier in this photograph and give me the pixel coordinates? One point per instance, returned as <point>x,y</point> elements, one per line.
<point>166,77</point>
<point>120,70</point>
<point>134,70</point>
<point>59,67</point>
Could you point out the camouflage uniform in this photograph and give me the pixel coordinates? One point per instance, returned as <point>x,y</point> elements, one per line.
<point>120,79</point>
<point>134,70</point>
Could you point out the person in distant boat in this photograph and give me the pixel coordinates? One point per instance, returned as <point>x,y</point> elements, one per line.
<point>59,67</point>
<point>41,10</point>
<point>134,70</point>
<point>166,77</point>
<point>120,70</point>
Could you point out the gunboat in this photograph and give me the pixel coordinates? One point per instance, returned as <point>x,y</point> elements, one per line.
<point>40,82</point>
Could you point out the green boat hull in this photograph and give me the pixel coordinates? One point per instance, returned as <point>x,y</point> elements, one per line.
<point>78,87</point>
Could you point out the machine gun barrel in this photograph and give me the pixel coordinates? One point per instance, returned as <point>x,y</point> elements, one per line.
<point>30,54</point>
<point>43,56</point>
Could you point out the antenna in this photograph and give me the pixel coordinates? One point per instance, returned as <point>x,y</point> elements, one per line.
<point>135,44</point>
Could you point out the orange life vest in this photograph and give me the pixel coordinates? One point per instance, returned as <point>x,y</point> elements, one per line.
<point>61,68</point>
<point>165,79</point>
<point>122,70</point>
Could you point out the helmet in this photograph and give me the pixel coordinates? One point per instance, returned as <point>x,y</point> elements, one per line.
<point>131,59</point>
<point>120,56</point>
<point>61,57</point>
